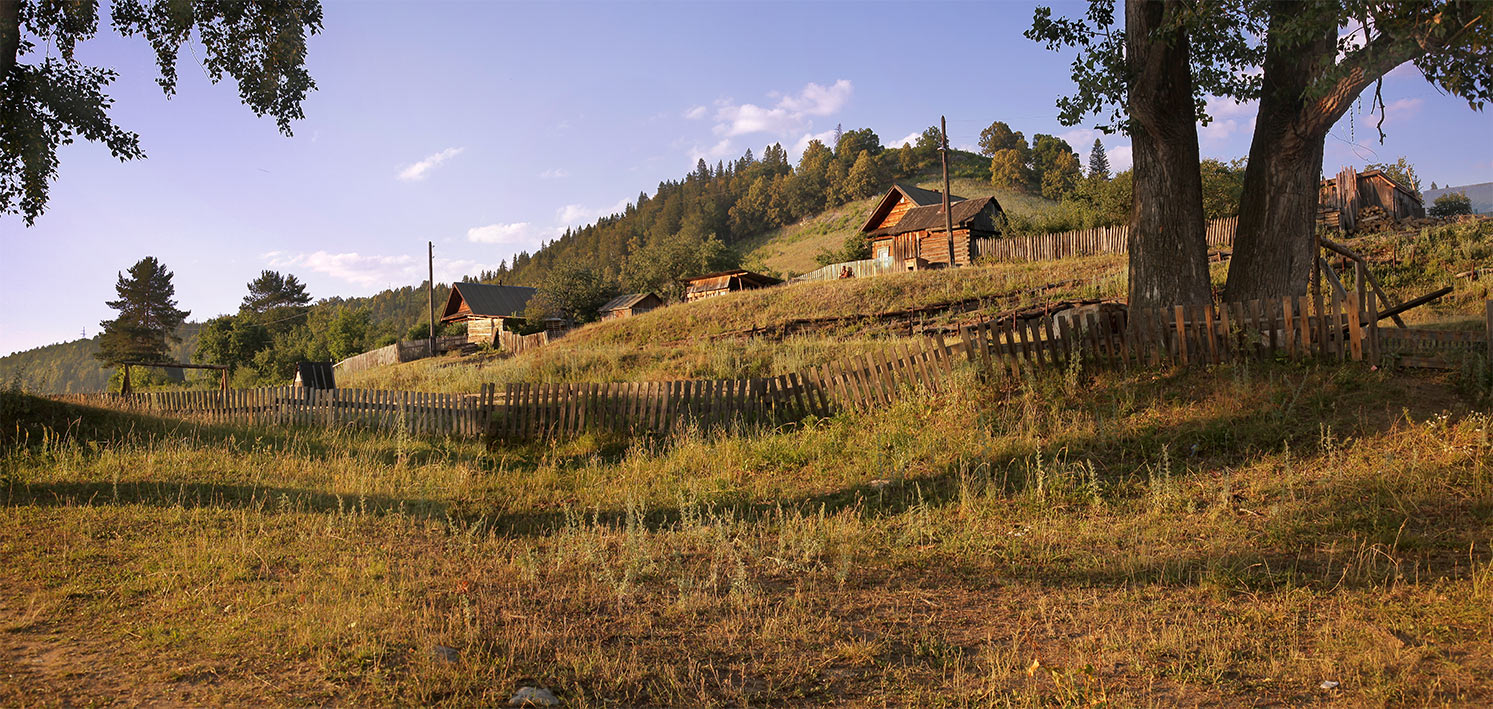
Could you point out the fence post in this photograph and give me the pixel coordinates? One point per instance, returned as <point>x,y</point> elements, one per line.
<point>1489,306</point>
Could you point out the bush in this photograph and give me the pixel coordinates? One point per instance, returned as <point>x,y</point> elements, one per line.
<point>1451,204</point>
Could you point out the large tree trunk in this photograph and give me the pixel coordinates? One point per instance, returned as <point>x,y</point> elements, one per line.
<point>1273,246</point>
<point>1306,88</point>
<point>10,36</point>
<point>1168,248</point>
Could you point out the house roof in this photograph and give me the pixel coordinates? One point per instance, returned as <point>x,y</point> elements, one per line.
<point>487,301</point>
<point>722,280</point>
<point>917,195</point>
<point>930,217</point>
<point>623,302</point>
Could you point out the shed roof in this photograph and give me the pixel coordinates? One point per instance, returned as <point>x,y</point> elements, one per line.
<point>930,217</point>
<point>917,195</point>
<point>487,301</point>
<point>722,280</point>
<point>623,302</point>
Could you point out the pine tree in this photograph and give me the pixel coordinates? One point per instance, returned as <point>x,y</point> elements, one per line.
<point>1098,161</point>
<point>272,290</point>
<point>147,319</point>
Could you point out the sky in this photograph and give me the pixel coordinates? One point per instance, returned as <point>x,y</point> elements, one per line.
<point>489,127</point>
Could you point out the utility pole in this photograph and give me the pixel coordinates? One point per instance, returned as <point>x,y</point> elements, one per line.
<point>430,291</point>
<point>948,217</point>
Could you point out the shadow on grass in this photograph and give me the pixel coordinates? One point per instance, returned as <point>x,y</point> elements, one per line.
<point>266,499</point>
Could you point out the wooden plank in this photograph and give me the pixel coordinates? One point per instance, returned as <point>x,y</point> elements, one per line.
<point>1355,328</point>
<point>1181,316</point>
<point>1488,315</point>
<point>1334,329</point>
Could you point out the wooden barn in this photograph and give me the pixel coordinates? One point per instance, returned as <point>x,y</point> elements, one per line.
<point>1353,198</point>
<point>484,307</point>
<point>907,227</point>
<point>713,284</point>
<point>626,306</point>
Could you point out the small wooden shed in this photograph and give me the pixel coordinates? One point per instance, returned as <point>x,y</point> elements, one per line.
<point>484,307</point>
<point>625,306</point>
<point>908,226</point>
<point>713,284</point>
<point>1354,196</point>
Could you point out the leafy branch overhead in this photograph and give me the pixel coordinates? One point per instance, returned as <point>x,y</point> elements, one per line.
<point>47,103</point>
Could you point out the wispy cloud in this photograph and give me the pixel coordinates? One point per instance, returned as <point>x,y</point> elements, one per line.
<point>791,114</point>
<point>578,215</point>
<point>721,150</point>
<point>1119,157</point>
<point>695,112</point>
<point>554,173</point>
<point>826,137</point>
<point>515,233</point>
<point>415,172</point>
<point>363,270</point>
<point>1228,118</point>
<point>909,139</point>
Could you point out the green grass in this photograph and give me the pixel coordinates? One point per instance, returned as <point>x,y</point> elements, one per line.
<point>1226,536</point>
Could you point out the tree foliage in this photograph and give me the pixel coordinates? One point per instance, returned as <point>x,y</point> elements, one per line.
<point>1098,161</point>
<point>148,317</point>
<point>1451,204</point>
<point>1401,171</point>
<point>48,98</point>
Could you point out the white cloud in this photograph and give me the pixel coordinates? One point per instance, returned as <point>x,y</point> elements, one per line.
<point>719,151</point>
<point>417,171</point>
<point>816,100</point>
<point>695,112</point>
<point>791,114</point>
<point>554,173</point>
<point>1401,109</point>
<point>352,267</point>
<point>1119,157</point>
<point>515,233</point>
<point>579,215</point>
<point>797,149</point>
<point>910,139</point>
<point>1080,138</point>
<point>749,118</point>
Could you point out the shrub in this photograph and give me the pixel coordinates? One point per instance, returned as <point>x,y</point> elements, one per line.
<point>1451,204</point>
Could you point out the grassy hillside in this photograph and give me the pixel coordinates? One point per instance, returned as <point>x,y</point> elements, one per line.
<point>790,250</point>
<point>703,339</point>
<point>1235,536</point>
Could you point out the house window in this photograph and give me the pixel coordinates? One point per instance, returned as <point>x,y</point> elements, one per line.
<point>884,250</point>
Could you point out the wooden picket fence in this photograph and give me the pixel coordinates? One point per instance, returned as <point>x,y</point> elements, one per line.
<point>419,413</point>
<point>1294,328</point>
<point>1219,234</point>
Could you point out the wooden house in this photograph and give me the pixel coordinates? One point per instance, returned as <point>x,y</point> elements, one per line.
<point>484,307</point>
<point>713,284</point>
<point>626,306</point>
<point>908,227</point>
<point>1353,197</point>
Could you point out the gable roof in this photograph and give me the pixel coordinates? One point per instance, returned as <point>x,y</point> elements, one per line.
<point>1392,181</point>
<point>930,217</point>
<point>488,301</point>
<point>623,302</point>
<point>917,195</point>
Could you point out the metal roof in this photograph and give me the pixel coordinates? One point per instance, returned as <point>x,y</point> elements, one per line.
<point>488,301</point>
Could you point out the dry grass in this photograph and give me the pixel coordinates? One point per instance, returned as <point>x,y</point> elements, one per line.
<point>1218,537</point>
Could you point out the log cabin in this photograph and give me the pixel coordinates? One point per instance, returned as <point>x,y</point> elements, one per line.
<point>485,307</point>
<point>626,306</point>
<point>1352,196</point>
<point>713,284</point>
<point>907,227</point>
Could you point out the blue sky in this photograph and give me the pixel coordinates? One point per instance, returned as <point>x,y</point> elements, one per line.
<point>487,127</point>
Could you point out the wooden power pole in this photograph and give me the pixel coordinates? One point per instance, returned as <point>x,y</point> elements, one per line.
<point>948,217</point>
<point>430,291</point>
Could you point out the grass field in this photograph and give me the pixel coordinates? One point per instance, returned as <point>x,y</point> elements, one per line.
<point>1221,537</point>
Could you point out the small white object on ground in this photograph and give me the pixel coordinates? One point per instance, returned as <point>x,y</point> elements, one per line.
<point>1328,684</point>
<point>533,697</point>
